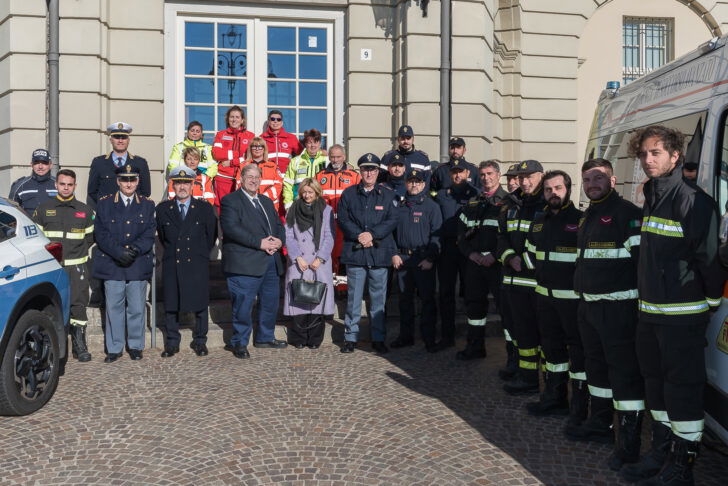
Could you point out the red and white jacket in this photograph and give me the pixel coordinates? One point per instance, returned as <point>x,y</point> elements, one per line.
<point>230,144</point>
<point>271,182</point>
<point>282,147</point>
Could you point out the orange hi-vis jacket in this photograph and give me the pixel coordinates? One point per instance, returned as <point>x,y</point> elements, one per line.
<point>201,189</point>
<point>271,182</point>
<point>333,182</point>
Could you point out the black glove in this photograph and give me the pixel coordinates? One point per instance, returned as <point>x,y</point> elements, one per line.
<point>135,250</point>
<point>127,257</point>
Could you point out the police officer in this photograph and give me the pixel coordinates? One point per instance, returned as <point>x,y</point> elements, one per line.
<point>679,280</point>
<point>451,262</point>
<point>394,179</point>
<point>608,244</point>
<point>187,229</point>
<point>552,250</point>
<point>39,186</point>
<point>124,232</point>
<point>477,241</point>
<point>102,177</point>
<point>519,280</point>
<point>67,220</point>
<point>413,158</point>
<point>441,177</point>
<point>417,237</point>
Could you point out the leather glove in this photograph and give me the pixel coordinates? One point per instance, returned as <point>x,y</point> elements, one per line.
<point>127,257</point>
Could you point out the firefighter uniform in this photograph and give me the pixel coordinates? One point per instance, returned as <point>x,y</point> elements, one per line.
<point>608,245</point>
<point>71,223</point>
<point>478,233</point>
<point>551,247</point>
<point>680,280</point>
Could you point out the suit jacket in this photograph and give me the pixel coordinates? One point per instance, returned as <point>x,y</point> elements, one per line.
<point>243,227</point>
<point>186,261</point>
<point>102,177</point>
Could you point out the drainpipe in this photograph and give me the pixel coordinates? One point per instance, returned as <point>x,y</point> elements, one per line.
<point>53,55</point>
<point>444,79</point>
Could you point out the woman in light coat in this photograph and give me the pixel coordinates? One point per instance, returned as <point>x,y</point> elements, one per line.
<point>310,234</point>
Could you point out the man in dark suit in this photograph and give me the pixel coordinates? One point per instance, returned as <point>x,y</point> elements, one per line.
<point>252,239</point>
<point>187,229</point>
<point>124,233</point>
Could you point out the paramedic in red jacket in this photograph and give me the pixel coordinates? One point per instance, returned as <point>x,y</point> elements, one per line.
<point>282,146</point>
<point>229,150</point>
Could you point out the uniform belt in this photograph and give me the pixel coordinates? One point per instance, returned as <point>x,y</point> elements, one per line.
<point>411,251</point>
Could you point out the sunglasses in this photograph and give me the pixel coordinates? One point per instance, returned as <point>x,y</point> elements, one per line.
<point>275,118</point>
<point>257,146</point>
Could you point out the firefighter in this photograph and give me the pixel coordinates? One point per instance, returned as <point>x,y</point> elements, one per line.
<point>477,241</point>
<point>67,220</point>
<point>519,280</point>
<point>679,280</point>
<point>552,250</point>
<point>512,178</point>
<point>608,244</point>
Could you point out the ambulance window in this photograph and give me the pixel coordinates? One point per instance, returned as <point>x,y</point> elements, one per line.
<point>8,225</point>
<point>721,167</point>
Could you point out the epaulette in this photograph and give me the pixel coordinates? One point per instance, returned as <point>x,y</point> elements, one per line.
<point>424,153</point>
<point>105,197</point>
<point>473,202</point>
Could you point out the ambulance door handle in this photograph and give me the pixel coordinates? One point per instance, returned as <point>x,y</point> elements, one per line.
<point>9,272</point>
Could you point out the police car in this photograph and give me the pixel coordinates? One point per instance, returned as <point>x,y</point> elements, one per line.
<point>34,312</point>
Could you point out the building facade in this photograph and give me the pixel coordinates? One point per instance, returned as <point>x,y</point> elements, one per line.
<point>526,74</point>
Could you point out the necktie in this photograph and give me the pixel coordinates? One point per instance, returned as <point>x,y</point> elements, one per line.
<point>256,201</point>
<point>127,202</point>
<point>182,209</point>
<point>118,161</point>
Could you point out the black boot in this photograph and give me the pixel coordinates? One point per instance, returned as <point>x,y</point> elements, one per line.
<point>652,462</point>
<point>78,343</point>
<point>475,347</point>
<point>525,382</point>
<point>598,427</point>
<point>511,369</point>
<point>579,404</point>
<point>678,470</point>
<point>553,400</point>
<point>627,448</point>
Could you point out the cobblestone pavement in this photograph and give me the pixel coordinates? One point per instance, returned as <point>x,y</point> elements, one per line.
<point>297,417</point>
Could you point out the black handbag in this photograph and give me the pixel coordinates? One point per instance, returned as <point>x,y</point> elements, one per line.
<point>307,291</point>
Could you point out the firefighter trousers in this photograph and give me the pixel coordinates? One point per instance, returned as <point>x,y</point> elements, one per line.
<point>522,303</point>
<point>79,284</point>
<point>560,339</point>
<point>479,282</point>
<point>450,264</point>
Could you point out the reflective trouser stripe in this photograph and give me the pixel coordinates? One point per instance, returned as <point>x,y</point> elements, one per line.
<point>619,295</point>
<point>556,293</point>
<point>713,302</point>
<point>507,335</point>
<point>691,430</point>
<point>76,322</point>
<point>629,405</point>
<point>580,375</point>
<point>528,365</point>
<point>678,309</point>
<point>75,261</point>
<point>528,351</point>
<point>477,322</point>
<point>660,416</point>
<point>557,367</point>
<point>524,282</point>
<point>598,392</point>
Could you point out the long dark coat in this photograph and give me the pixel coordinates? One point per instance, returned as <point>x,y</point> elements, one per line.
<point>186,261</point>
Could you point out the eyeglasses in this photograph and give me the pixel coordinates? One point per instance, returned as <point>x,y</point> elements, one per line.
<point>257,146</point>
<point>275,118</point>
<point>252,177</point>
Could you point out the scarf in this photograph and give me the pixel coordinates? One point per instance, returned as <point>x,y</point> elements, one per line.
<point>307,215</point>
<point>410,200</point>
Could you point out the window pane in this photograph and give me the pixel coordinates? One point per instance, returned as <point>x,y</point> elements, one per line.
<point>203,114</point>
<point>199,62</point>
<point>233,91</point>
<point>289,118</point>
<point>232,63</point>
<point>208,137</point>
<point>199,90</point>
<point>313,119</point>
<point>281,38</point>
<point>312,94</point>
<point>312,67</point>
<point>312,40</point>
<point>198,34</point>
<point>281,93</point>
<point>231,36</point>
<point>281,66</point>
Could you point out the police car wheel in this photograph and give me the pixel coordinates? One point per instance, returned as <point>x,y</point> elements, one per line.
<point>30,365</point>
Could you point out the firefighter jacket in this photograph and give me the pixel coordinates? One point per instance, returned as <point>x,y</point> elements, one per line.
<point>69,222</point>
<point>282,147</point>
<point>680,278</point>
<point>201,188</point>
<point>478,223</point>
<point>301,167</point>
<point>514,223</point>
<point>608,247</point>
<point>271,182</point>
<point>418,229</point>
<point>451,202</point>
<point>333,182</point>
<point>441,176</point>
<point>207,163</point>
<point>551,251</point>
<point>32,190</point>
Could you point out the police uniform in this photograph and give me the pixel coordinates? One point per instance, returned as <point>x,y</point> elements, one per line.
<point>397,184</point>
<point>32,190</point>
<point>71,223</point>
<point>514,223</point>
<point>187,231</point>
<point>441,175</point>
<point>413,159</point>
<point>417,237</point>
<point>478,233</point>
<point>124,232</point>
<point>551,248</point>
<point>451,262</point>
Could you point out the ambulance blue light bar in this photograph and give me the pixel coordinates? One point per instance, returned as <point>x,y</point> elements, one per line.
<point>613,84</point>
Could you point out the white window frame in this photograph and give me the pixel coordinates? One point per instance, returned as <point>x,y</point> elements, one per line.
<point>641,22</point>
<point>257,18</point>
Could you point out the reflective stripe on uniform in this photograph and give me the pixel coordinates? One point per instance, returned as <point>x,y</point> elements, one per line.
<point>76,322</point>
<point>530,247</point>
<point>507,280</point>
<point>528,351</point>
<point>691,430</point>
<point>596,391</point>
<point>619,295</point>
<point>581,375</point>
<point>329,192</point>
<point>477,322</point>
<point>662,226</point>
<point>507,335</point>
<point>529,365</point>
<point>490,222</point>
<point>713,302</point>
<point>53,234</point>
<point>679,309</point>
<point>607,253</point>
<point>75,236</point>
<point>75,261</point>
<point>660,416</point>
<point>525,282</point>
<point>556,256</point>
<point>557,367</point>
<point>633,240</point>
<point>556,293</point>
<point>283,155</point>
<point>88,230</point>
<point>629,405</point>
<point>518,225</point>
<point>506,254</point>
<point>527,260</point>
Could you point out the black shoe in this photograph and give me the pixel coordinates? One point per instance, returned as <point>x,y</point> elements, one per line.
<point>275,344</point>
<point>314,346</point>
<point>511,369</point>
<point>470,353</point>
<point>380,347</point>
<point>299,346</point>
<point>241,352</point>
<point>651,463</point>
<point>169,351</point>
<point>598,427</point>
<point>520,386</point>
<point>401,342</point>
<point>79,350</point>
<point>678,468</point>
<point>431,347</point>
<point>444,344</point>
<point>553,400</point>
<point>200,349</point>
<point>111,357</point>
<point>348,347</point>
<point>135,354</point>
<point>627,448</point>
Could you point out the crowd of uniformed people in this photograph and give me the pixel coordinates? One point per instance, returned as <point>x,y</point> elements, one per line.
<point>594,326</point>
